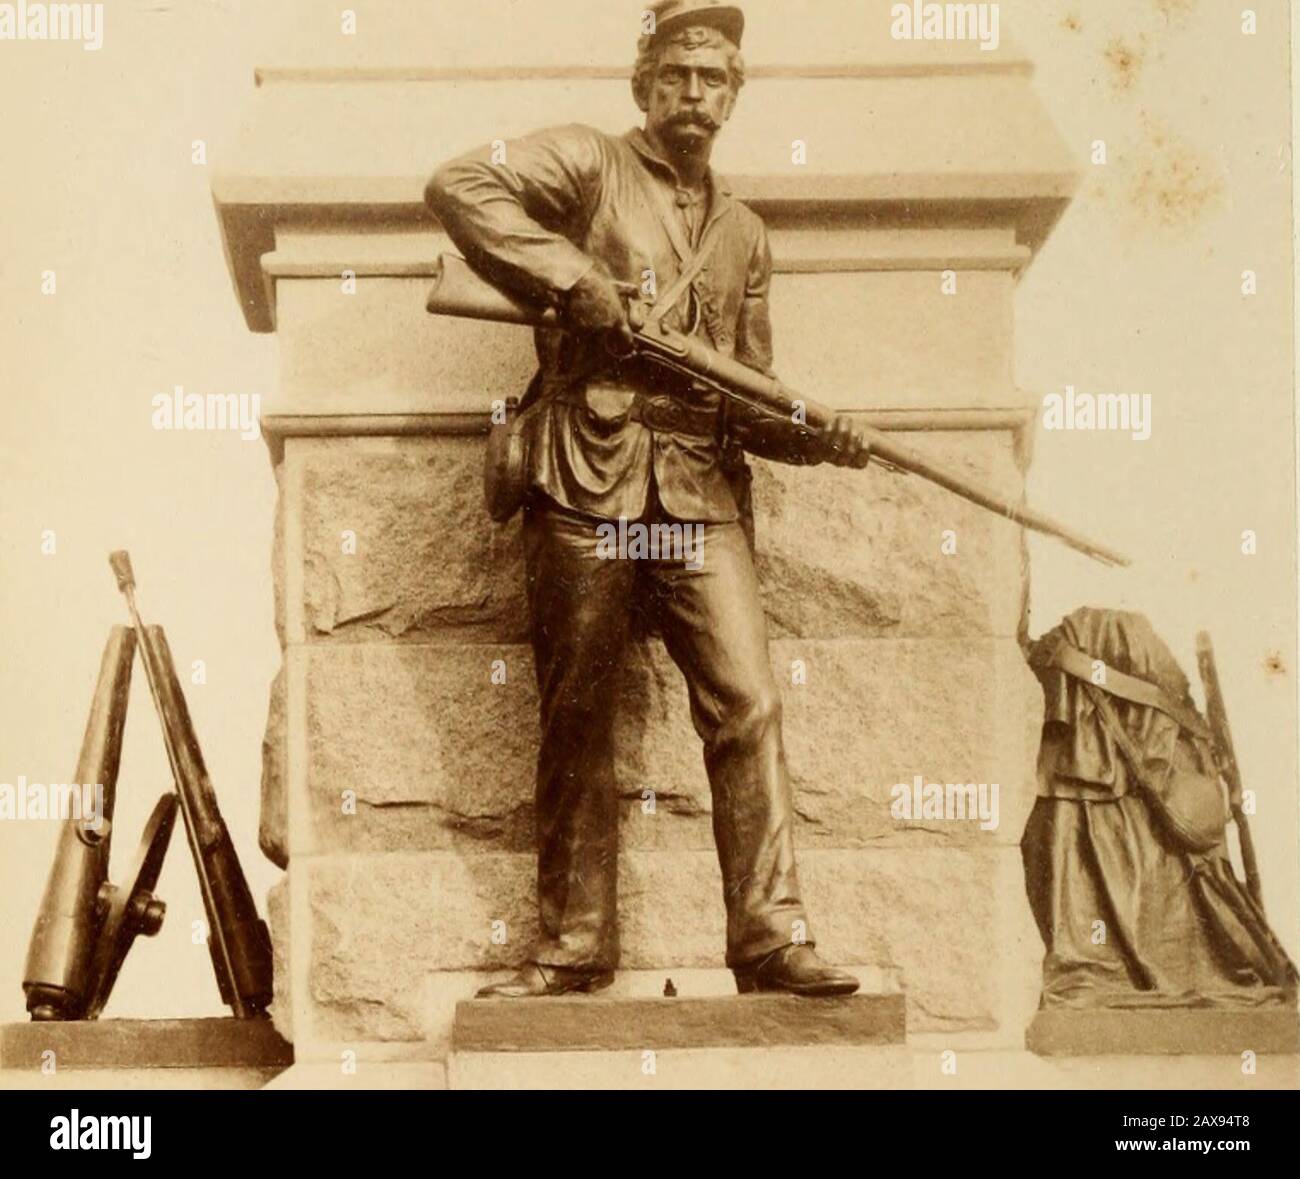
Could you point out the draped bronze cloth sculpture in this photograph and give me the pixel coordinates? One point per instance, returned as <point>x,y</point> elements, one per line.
<point>1129,915</point>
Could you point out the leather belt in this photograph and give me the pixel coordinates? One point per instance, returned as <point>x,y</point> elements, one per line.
<point>662,413</point>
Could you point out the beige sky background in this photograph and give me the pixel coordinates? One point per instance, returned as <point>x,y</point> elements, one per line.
<point>1138,291</point>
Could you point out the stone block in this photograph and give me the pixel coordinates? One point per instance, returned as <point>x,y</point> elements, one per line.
<point>435,755</point>
<point>278,921</point>
<point>848,554</point>
<point>598,1023</point>
<point>273,818</point>
<point>344,354</point>
<point>896,341</point>
<point>368,1075</point>
<point>379,924</point>
<point>840,553</point>
<point>426,558</point>
<point>433,752</point>
<point>675,1069</point>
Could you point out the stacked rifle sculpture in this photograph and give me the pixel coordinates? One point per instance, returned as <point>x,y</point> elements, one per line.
<point>86,925</point>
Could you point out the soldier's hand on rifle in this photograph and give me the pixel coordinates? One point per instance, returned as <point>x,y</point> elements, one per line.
<point>596,303</point>
<point>844,444</point>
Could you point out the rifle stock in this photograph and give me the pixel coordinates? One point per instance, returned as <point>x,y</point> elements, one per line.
<point>238,940</point>
<point>459,291</point>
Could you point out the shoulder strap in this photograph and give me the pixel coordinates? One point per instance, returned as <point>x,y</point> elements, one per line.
<point>1079,664</point>
<point>692,261</point>
<point>1193,807</point>
<point>659,202</point>
<point>668,300</point>
<point>1106,710</point>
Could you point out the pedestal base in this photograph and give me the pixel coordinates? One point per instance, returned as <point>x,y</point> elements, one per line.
<point>751,1041</point>
<point>883,1067</point>
<point>611,1025</point>
<point>1189,1031</point>
<point>76,1049</point>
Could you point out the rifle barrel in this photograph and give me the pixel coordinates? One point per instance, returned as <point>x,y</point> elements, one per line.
<point>240,961</point>
<point>1226,755</point>
<point>459,291</point>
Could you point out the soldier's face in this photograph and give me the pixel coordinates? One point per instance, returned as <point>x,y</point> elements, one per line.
<point>690,96</point>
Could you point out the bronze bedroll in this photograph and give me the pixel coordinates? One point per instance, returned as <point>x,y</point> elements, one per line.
<point>459,291</point>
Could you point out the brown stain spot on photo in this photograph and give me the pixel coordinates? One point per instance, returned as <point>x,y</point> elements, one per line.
<point>1273,664</point>
<point>1072,22</point>
<point>1174,10</point>
<point>1125,62</point>
<point>1173,183</point>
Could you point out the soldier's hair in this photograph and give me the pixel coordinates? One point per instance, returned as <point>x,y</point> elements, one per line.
<point>649,49</point>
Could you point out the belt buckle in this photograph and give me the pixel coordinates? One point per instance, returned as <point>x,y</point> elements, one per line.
<point>663,413</point>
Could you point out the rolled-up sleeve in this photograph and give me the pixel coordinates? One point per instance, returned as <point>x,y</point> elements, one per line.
<point>515,208</point>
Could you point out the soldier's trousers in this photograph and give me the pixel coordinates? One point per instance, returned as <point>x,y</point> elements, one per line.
<point>711,618</point>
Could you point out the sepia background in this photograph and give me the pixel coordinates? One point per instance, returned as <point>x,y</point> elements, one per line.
<point>1137,291</point>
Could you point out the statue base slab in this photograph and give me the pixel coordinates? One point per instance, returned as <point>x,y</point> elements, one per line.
<point>1171,1031</point>
<point>889,1066</point>
<point>163,1044</point>
<point>592,1023</point>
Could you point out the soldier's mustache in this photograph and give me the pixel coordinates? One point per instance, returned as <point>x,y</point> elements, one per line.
<point>694,119</point>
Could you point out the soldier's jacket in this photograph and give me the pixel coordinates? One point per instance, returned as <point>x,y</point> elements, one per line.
<point>562,200</point>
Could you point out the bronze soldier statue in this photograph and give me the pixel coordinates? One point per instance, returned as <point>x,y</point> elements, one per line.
<point>571,217</point>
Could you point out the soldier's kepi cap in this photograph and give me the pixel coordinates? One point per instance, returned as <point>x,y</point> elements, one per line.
<point>678,14</point>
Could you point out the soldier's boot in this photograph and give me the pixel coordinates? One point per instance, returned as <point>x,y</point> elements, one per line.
<point>535,981</point>
<point>796,970</point>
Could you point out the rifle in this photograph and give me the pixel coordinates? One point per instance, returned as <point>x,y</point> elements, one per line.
<point>1226,757</point>
<point>239,943</point>
<point>86,925</point>
<point>459,291</point>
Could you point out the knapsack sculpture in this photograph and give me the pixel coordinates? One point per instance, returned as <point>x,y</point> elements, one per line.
<point>1126,857</point>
